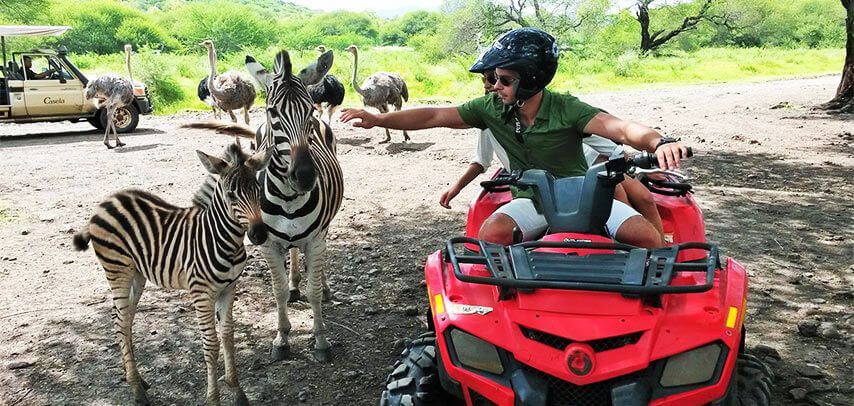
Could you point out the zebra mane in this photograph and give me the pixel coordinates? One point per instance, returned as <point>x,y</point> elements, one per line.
<point>235,156</point>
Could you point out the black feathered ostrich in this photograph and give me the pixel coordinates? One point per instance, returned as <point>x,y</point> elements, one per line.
<point>330,90</point>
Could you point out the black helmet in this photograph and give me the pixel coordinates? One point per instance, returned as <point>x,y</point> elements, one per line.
<point>530,51</point>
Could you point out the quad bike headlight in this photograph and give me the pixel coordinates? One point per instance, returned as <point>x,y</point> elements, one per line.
<point>691,367</point>
<point>476,353</point>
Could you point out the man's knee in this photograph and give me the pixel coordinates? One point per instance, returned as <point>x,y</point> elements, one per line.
<point>638,231</point>
<point>497,228</point>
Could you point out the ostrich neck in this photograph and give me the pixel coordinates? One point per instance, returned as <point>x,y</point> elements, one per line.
<point>212,58</point>
<point>355,68</point>
<point>127,65</point>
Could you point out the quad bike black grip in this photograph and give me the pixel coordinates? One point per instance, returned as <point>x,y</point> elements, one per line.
<point>647,160</point>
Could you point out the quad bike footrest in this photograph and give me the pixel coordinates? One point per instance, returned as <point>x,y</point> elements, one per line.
<point>628,269</point>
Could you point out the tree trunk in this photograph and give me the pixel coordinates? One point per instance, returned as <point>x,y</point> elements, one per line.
<point>643,19</point>
<point>843,101</point>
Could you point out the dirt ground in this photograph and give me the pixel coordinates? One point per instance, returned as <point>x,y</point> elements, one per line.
<point>775,180</point>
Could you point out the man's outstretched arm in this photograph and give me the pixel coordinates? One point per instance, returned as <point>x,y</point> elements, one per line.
<point>638,136</point>
<point>410,119</point>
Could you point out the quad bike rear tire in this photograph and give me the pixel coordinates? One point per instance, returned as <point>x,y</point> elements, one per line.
<point>415,378</point>
<point>752,383</point>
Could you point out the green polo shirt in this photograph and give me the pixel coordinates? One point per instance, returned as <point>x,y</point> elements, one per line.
<point>553,143</point>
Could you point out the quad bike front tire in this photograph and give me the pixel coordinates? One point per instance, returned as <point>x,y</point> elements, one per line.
<point>415,378</point>
<point>752,383</point>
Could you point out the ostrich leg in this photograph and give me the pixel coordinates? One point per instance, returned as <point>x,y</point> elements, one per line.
<point>246,114</point>
<point>233,117</point>
<point>107,126</point>
<point>384,109</point>
<point>405,135</point>
<point>119,143</point>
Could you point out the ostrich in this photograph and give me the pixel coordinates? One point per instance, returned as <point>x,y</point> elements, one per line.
<point>112,92</point>
<point>329,91</point>
<point>230,90</point>
<point>380,89</point>
<point>205,96</point>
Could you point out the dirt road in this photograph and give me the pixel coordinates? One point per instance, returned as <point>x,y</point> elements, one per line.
<point>776,182</point>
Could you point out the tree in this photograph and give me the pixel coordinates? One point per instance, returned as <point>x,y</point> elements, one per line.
<point>843,102</point>
<point>21,10</point>
<point>558,17</point>
<point>650,42</point>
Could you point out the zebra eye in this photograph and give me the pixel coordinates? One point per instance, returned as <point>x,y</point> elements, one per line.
<point>232,195</point>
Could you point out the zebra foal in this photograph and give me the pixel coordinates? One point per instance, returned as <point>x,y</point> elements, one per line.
<point>139,237</point>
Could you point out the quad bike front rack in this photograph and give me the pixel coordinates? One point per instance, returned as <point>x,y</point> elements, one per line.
<point>629,270</point>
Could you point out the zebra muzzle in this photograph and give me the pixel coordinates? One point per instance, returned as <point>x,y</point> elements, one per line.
<point>257,233</point>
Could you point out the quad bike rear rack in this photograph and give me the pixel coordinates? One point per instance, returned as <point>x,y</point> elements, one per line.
<point>629,270</point>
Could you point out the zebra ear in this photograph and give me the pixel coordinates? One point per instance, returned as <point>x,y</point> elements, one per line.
<point>283,64</point>
<point>259,160</point>
<point>213,164</point>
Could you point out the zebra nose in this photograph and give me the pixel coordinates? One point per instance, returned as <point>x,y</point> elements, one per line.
<point>257,233</point>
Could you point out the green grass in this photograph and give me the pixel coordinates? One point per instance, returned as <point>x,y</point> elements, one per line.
<point>173,78</point>
<point>6,214</point>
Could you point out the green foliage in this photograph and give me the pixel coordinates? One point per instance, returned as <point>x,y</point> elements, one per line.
<point>230,26</point>
<point>416,23</point>
<point>105,26</point>
<point>159,73</point>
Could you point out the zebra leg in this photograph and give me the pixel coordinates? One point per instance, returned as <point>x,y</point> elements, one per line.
<point>327,293</point>
<point>233,117</point>
<point>295,276</point>
<point>127,289</point>
<point>274,254</point>
<point>203,301</point>
<point>315,255</point>
<point>224,306</point>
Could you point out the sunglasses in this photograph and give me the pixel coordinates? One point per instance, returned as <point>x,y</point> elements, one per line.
<point>492,79</point>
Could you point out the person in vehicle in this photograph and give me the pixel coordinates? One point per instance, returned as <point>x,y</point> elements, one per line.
<point>28,70</point>
<point>630,191</point>
<point>538,129</point>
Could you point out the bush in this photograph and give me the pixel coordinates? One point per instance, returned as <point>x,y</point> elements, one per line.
<point>627,64</point>
<point>104,27</point>
<point>160,76</point>
<point>230,26</point>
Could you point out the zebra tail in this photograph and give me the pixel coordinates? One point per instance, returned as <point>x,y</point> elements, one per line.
<point>81,240</point>
<point>223,127</point>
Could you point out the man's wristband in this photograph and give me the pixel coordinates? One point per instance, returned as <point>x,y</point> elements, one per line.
<point>665,140</point>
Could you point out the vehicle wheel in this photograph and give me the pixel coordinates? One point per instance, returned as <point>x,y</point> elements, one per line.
<point>97,120</point>
<point>127,118</point>
<point>752,384</point>
<point>415,379</point>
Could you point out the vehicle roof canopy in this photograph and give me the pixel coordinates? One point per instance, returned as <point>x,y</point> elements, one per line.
<point>32,30</point>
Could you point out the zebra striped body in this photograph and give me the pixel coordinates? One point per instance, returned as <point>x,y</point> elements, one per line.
<point>302,190</point>
<point>139,237</point>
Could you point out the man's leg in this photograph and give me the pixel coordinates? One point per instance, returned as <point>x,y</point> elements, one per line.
<point>519,213</point>
<point>628,226</point>
<point>641,199</point>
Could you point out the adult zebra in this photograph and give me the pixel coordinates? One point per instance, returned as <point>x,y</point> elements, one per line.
<point>139,237</point>
<point>302,191</point>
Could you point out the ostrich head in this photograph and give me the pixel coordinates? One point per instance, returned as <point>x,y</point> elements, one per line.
<point>352,49</point>
<point>207,44</point>
<point>289,113</point>
<point>321,49</point>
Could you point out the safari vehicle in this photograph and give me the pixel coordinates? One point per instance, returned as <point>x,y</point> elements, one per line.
<point>575,318</point>
<point>58,96</point>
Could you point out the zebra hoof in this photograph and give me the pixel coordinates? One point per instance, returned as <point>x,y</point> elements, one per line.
<point>294,296</point>
<point>145,385</point>
<point>281,353</point>
<point>141,399</point>
<point>240,399</point>
<point>327,295</point>
<point>322,355</point>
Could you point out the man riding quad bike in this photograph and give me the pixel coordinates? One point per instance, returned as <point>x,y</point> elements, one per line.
<point>571,317</point>
<point>575,318</point>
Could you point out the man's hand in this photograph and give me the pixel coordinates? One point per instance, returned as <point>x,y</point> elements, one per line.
<point>367,120</point>
<point>450,194</point>
<point>671,154</point>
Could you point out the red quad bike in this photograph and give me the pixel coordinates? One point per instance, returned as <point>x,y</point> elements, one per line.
<point>578,319</point>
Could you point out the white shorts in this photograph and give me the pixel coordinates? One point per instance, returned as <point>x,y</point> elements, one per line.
<point>533,224</point>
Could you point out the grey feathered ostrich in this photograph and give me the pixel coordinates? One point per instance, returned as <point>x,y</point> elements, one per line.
<point>380,89</point>
<point>330,90</point>
<point>112,92</point>
<point>230,90</point>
